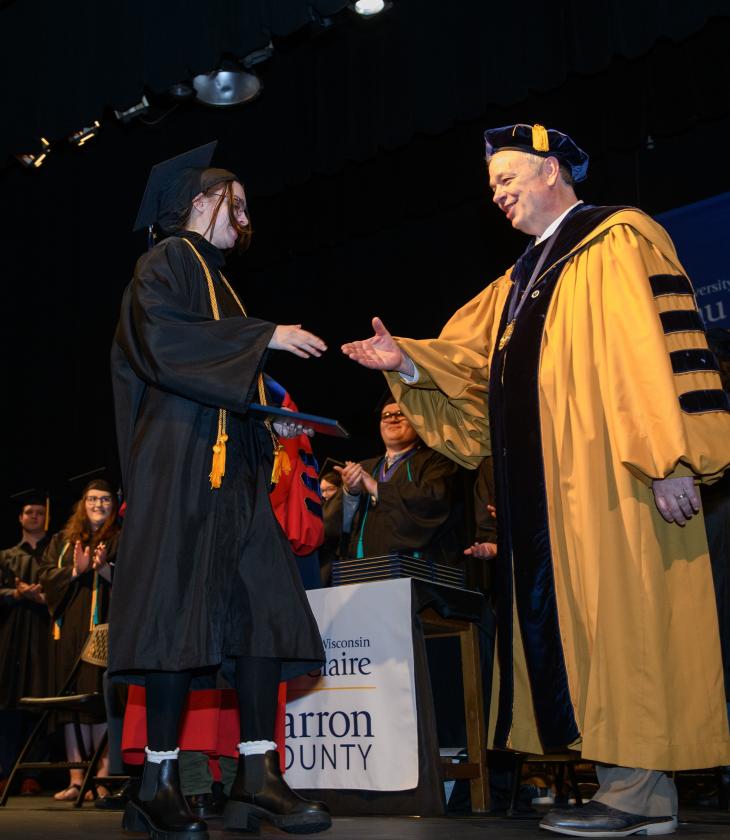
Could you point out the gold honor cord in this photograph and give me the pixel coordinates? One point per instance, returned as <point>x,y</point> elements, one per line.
<point>59,621</point>
<point>218,469</point>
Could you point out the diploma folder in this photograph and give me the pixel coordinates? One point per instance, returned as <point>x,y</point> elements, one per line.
<point>321,425</point>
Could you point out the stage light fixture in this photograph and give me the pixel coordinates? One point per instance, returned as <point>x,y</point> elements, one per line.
<point>181,91</point>
<point>369,8</point>
<point>32,161</point>
<point>227,87</point>
<point>83,135</point>
<point>258,56</point>
<point>142,107</point>
<point>319,23</point>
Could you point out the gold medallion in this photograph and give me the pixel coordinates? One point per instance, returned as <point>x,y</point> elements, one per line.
<point>507,334</point>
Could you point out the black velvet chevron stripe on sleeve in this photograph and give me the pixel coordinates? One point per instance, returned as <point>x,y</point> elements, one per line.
<point>690,361</point>
<point>697,402</point>
<point>670,284</point>
<point>681,320</point>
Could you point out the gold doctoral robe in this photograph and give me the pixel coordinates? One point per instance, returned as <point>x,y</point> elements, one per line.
<point>625,392</point>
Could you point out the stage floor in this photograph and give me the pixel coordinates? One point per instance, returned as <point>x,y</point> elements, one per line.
<point>40,818</point>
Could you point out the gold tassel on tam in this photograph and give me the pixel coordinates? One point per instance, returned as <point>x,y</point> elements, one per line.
<point>540,142</point>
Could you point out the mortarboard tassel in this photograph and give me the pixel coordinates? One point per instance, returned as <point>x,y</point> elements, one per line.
<point>282,463</point>
<point>218,469</point>
<point>540,142</point>
<point>47,520</point>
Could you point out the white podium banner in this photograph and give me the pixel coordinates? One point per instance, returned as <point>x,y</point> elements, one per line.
<point>353,723</point>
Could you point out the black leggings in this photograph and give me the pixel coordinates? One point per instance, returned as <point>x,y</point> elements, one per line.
<point>257,686</point>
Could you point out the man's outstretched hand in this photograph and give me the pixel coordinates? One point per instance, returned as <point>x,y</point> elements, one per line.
<point>379,352</point>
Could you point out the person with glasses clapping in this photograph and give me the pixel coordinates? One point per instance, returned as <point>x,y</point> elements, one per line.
<point>76,574</point>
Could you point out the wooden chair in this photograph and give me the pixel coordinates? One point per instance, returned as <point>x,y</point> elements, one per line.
<point>562,763</point>
<point>94,653</point>
<point>475,770</point>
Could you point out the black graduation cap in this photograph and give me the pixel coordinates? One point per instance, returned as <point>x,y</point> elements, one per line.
<point>328,467</point>
<point>537,140</point>
<point>32,496</point>
<point>77,484</point>
<point>174,183</point>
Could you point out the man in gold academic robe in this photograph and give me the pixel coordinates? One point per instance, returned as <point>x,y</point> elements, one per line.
<point>605,411</point>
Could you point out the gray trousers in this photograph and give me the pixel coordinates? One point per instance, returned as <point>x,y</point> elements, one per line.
<point>649,793</point>
<point>195,775</point>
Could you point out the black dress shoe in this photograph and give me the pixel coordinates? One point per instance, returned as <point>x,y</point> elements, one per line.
<point>160,809</point>
<point>594,819</point>
<point>259,792</point>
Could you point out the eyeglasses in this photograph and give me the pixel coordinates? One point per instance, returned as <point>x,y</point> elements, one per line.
<point>392,415</point>
<point>239,206</point>
<point>99,500</point>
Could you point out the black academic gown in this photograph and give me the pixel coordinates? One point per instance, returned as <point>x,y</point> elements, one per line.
<point>70,601</point>
<point>332,548</point>
<point>24,628</point>
<point>201,573</point>
<point>418,511</point>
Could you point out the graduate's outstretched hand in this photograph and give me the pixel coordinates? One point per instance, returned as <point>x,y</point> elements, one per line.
<point>293,339</point>
<point>379,352</point>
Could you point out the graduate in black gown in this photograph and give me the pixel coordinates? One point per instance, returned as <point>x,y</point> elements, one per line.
<point>24,629</point>
<point>76,575</point>
<point>204,570</point>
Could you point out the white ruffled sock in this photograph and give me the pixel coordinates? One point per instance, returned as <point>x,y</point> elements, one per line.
<point>156,757</point>
<point>255,747</point>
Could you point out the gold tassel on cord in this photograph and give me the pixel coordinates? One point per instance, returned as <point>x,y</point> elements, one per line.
<point>282,463</point>
<point>540,142</point>
<point>57,622</point>
<point>219,453</point>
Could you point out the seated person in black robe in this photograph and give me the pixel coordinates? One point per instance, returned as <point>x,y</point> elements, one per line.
<point>405,501</point>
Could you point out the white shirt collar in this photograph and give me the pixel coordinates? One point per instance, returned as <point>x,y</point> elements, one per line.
<point>551,228</point>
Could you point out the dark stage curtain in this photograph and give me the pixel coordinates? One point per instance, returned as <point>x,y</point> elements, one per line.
<point>367,84</point>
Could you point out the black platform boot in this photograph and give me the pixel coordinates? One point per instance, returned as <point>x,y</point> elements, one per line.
<point>160,809</point>
<point>259,792</point>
